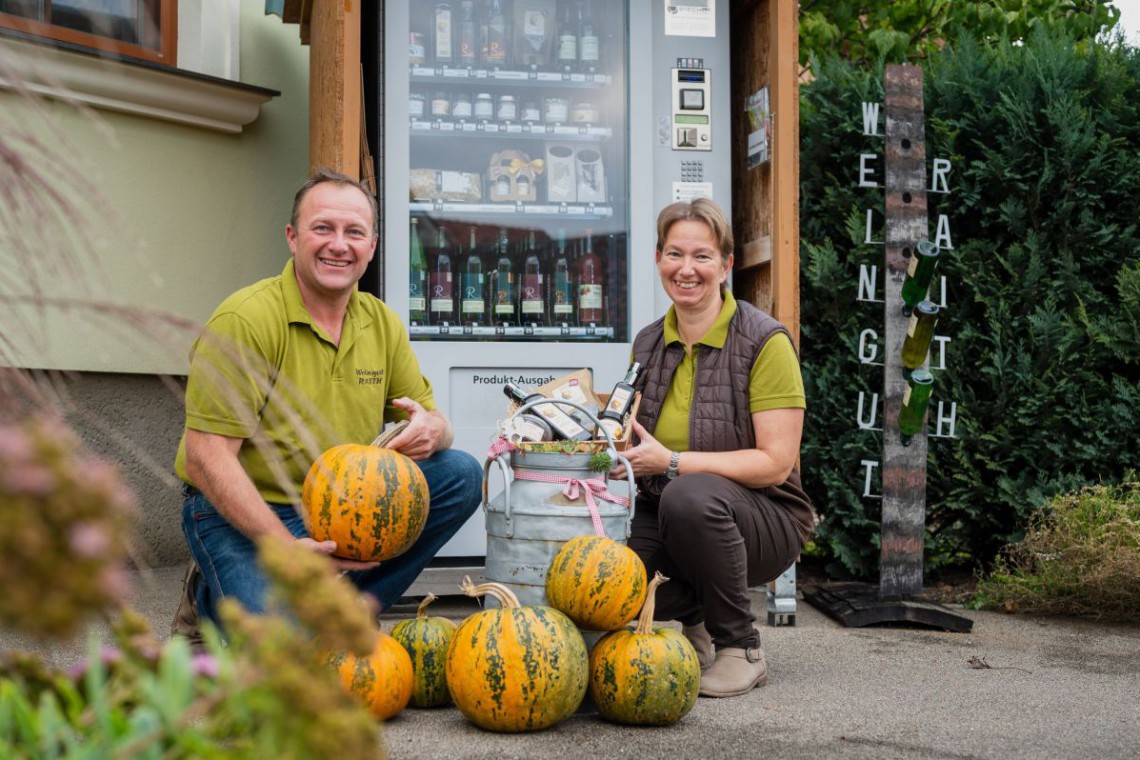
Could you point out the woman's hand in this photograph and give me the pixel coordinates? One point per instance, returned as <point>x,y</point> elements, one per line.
<point>648,457</point>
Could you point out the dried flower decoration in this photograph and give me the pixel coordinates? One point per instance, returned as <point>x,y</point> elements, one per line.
<point>65,519</point>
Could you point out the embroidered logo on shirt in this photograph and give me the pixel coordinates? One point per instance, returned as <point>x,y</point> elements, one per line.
<point>369,377</point>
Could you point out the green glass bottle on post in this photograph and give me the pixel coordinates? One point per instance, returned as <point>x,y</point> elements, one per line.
<point>915,400</point>
<point>919,333</point>
<point>919,274</point>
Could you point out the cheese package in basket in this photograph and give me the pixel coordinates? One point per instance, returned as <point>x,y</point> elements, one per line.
<point>577,387</point>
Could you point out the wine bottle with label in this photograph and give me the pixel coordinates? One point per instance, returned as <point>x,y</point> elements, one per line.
<point>441,301</point>
<point>919,332</point>
<point>532,303</point>
<point>590,296</point>
<point>498,37</point>
<point>567,52</point>
<point>504,303</point>
<point>562,285</point>
<point>589,47</point>
<point>915,400</point>
<point>563,426</point>
<point>472,285</point>
<point>417,277</point>
<point>614,417</point>
<point>442,35</point>
<point>919,273</point>
<point>468,34</point>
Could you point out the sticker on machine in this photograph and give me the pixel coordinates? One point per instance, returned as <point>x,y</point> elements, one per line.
<point>687,191</point>
<point>690,18</point>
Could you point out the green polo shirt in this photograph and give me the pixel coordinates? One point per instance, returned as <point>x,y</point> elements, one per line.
<point>263,371</point>
<point>774,382</point>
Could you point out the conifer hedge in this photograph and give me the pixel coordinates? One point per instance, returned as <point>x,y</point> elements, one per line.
<point>1043,304</point>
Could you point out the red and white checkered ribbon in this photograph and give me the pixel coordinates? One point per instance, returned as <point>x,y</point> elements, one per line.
<point>594,488</point>
<point>500,446</point>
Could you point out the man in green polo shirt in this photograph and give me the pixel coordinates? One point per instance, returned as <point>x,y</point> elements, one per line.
<point>287,368</point>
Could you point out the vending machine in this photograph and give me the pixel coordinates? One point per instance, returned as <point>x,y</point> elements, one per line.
<point>523,150</point>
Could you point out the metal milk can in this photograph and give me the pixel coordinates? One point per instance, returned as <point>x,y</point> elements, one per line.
<point>547,499</point>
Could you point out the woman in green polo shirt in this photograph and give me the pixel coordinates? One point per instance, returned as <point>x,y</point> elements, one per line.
<point>720,506</point>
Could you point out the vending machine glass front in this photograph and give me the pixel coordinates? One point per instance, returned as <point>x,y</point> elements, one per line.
<point>518,171</point>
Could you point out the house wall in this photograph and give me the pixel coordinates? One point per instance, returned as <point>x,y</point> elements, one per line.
<point>176,218</point>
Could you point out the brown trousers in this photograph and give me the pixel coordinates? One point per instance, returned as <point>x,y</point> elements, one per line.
<point>713,539</point>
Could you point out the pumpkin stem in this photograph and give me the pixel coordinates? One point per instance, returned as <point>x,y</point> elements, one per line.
<point>645,622</point>
<point>421,611</point>
<point>502,594</point>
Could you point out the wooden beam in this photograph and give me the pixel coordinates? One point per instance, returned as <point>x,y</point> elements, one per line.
<point>783,78</point>
<point>755,253</point>
<point>334,86</point>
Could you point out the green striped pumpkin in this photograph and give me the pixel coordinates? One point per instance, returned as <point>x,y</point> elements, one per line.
<point>644,676</point>
<point>426,639</point>
<point>514,668</point>
<point>598,582</point>
<point>372,502</point>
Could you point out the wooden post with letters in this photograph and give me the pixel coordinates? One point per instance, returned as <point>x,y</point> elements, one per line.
<point>903,466</point>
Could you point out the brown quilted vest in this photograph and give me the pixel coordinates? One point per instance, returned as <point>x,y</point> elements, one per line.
<point>719,419</point>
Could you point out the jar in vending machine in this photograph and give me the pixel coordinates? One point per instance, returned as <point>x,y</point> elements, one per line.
<point>461,106</point>
<point>555,110</point>
<point>584,113</point>
<point>484,106</point>
<point>417,104</point>
<point>440,105</point>
<point>508,109</point>
<point>417,48</point>
<point>531,113</point>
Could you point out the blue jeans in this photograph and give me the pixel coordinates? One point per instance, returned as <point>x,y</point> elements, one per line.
<point>229,560</point>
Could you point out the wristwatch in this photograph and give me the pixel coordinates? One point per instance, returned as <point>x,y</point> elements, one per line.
<point>674,463</point>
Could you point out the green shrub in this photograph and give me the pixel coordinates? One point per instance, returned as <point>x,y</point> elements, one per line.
<point>1080,556</point>
<point>1043,304</point>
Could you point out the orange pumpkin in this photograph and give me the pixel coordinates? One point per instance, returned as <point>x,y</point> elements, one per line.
<point>597,582</point>
<point>383,680</point>
<point>372,502</point>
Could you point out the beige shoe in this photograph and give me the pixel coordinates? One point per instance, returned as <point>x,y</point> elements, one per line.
<point>186,620</point>
<point>699,637</point>
<point>736,671</point>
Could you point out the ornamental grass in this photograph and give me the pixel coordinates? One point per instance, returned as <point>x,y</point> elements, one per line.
<point>1080,556</point>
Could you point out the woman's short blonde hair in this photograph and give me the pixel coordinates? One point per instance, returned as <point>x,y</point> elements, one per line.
<point>697,210</point>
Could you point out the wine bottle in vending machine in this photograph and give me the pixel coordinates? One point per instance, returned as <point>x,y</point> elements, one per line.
<point>442,35</point>
<point>504,308</point>
<point>468,34</point>
<point>417,277</point>
<point>532,303</point>
<point>562,285</point>
<point>589,47</point>
<point>442,298</point>
<point>566,51</point>
<point>472,287</point>
<point>591,308</point>
<point>496,39</point>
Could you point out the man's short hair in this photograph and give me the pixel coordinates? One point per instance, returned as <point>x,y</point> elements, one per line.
<point>324,174</point>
